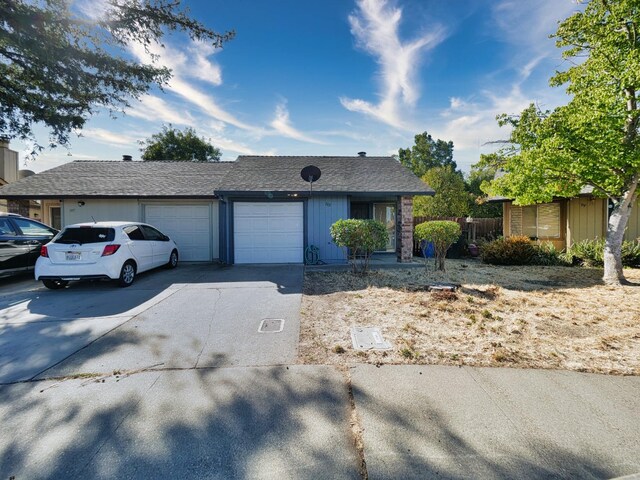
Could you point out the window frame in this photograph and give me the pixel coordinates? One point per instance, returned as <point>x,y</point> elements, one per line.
<point>523,229</point>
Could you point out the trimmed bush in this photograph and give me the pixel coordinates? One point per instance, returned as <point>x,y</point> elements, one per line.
<point>361,238</point>
<point>442,233</point>
<point>516,250</point>
<point>590,253</point>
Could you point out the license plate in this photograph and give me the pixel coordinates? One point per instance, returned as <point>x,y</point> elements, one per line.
<point>72,256</point>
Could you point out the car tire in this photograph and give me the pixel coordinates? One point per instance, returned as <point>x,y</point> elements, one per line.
<point>127,274</point>
<point>55,284</point>
<point>173,259</point>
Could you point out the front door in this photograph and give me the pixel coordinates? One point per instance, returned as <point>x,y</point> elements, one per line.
<point>386,213</point>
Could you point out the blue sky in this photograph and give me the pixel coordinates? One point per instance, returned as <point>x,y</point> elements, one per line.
<point>341,76</point>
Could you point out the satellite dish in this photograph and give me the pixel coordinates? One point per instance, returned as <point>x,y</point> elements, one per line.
<point>310,174</point>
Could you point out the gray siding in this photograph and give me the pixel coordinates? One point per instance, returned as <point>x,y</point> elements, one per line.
<point>322,212</point>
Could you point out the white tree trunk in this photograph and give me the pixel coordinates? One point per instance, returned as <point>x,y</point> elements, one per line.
<point>613,274</point>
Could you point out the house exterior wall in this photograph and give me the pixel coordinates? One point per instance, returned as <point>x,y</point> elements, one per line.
<point>586,219</point>
<point>322,212</point>
<point>100,210</point>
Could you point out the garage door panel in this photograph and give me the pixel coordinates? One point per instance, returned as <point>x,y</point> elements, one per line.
<point>284,224</point>
<point>268,232</point>
<point>188,225</point>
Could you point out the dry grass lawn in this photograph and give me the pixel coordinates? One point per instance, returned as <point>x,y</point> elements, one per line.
<point>523,317</point>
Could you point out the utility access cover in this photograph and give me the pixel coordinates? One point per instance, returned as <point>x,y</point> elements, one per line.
<point>368,338</point>
<point>271,325</point>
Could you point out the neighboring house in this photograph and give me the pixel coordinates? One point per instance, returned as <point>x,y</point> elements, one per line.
<point>565,221</point>
<point>9,173</point>
<point>253,210</point>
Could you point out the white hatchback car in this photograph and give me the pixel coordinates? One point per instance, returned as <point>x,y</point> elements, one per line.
<point>104,250</point>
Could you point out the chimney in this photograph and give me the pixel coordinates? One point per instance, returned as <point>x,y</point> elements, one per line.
<point>362,154</point>
<point>126,158</point>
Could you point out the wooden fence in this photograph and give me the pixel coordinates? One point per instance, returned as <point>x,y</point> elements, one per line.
<point>473,231</point>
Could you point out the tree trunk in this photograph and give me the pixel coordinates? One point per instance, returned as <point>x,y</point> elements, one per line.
<point>613,274</point>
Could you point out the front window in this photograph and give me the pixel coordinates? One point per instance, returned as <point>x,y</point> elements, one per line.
<point>386,213</point>
<point>536,221</point>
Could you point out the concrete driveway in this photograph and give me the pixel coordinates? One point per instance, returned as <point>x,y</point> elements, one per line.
<point>126,385</point>
<point>193,316</point>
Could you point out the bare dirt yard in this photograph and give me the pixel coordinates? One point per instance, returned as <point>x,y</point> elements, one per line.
<point>523,317</point>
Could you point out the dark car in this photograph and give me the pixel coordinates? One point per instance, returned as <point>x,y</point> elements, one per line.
<point>20,242</point>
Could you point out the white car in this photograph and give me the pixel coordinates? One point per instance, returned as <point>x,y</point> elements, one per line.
<point>104,250</point>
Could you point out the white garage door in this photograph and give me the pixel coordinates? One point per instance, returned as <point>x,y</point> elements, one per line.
<point>265,232</point>
<point>188,225</point>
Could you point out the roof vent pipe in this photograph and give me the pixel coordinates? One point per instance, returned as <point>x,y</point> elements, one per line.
<point>362,154</point>
<point>126,158</point>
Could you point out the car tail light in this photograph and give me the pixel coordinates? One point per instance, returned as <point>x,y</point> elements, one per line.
<point>43,251</point>
<point>110,250</point>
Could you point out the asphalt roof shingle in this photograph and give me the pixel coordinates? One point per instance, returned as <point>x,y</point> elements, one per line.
<point>339,175</point>
<point>122,179</point>
<point>165,179</point>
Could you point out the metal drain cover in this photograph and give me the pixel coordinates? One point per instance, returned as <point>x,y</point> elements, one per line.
<point>368,338</point>
<point>271,325</point>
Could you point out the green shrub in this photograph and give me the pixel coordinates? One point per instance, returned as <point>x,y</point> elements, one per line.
<point>590,253</point>
<point>442,233</point>
<point>361,238</point>
<point>516,250</point>
<point>547,254</point>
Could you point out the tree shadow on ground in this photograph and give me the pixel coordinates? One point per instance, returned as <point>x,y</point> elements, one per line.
<point>210,423</point>
<point>427,442</point>
<point>40,328</point>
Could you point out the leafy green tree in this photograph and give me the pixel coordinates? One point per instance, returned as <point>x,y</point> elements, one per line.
<point>426,154</point>
<point>450,200</point>
<point>172,144</point>
<point>57,66</point>
<point>443,234</point>
<point>481,173</point>
<point>361,238</point>
<point>592,140</point>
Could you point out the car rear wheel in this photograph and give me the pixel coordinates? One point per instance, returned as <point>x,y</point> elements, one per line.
<point>173,259</point>
<point>55,284</point>
<point>127,274</point>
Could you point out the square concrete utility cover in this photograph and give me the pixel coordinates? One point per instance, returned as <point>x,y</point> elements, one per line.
<point>368,338</point>
<point>271,325</point>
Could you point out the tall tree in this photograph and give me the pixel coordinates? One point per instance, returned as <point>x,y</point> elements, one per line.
<point>172,144</point>
<point>592,140</point>
<point>58,66</point>
<point>427,153</point>
<point>450,200</point>
<point>481,173</point>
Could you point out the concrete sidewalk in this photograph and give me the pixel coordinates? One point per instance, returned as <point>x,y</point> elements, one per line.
<point>451,422</point>
<point>293,422</point>
<point>226,423</point>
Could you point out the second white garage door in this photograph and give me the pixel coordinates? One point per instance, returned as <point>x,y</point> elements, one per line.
<point>188,225</point>
<point>268,232</point>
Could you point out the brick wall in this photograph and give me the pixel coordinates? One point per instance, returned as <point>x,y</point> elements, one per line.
<point>404,229</point>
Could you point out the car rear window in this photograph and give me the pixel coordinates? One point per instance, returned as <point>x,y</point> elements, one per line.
<point>86,235</point>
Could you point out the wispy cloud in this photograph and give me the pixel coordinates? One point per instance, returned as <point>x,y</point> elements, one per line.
<point>282,124</point>
<point>154,109</point>
<point>182,67</point>
<point>375,25</point>
<point>110,138</point>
